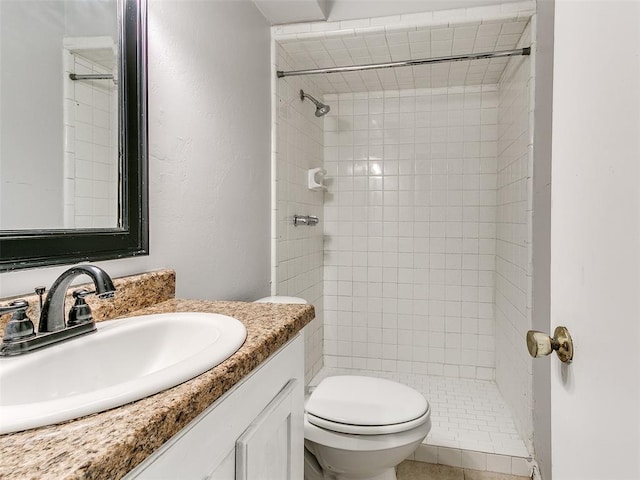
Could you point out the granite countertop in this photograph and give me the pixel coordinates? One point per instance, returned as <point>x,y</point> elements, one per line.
<point>111,443</point>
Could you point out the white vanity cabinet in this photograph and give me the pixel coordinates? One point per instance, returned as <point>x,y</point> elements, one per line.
<point>253,432</point>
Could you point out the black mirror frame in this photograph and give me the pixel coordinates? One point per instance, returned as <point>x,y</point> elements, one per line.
<point>38,248</point>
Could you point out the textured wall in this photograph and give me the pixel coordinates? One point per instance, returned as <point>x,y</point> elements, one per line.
<point>209,167</point>
<point>209,133</point>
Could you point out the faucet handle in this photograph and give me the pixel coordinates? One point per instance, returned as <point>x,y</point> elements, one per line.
<point>80,312</point>
<point>15,306</point>
<point>20,326</point>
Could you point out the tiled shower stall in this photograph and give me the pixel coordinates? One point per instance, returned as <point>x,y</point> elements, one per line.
<point>420,268</point>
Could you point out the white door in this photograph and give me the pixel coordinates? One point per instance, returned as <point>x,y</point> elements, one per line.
<point>595,239</point>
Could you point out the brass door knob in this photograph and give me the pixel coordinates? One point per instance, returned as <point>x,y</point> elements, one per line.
<point>541,344</point>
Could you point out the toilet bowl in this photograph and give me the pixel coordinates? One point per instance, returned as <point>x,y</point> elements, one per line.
<point>362,427</point>
<point>281,299</point>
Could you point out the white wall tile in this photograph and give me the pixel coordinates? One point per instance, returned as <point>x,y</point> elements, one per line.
<point>300,141</point>
<point>90,121</point>
<point>450,456</point>
<point>513,245</point>
<point>499,463</point>
<point>410,216</point>
<point>474,460</point>
<point>521,466</point>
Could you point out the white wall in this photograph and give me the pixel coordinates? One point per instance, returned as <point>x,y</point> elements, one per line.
<point>513,239</point>
<point>32,98</point>
<point>299,250</point>
<point>209,101</point>
<point>410,231</point>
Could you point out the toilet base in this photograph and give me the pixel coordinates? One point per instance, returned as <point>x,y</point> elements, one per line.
<point>389,474</point>
<point>313,471</point>
<point>352,465</point>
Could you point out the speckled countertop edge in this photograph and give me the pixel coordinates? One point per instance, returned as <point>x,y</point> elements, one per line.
<point>111,443</point>
<point>133,292</point>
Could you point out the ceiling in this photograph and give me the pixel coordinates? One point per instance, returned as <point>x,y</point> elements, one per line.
<point>278,12</point>
<point>353,9</point>
<point>411,43</point>
<point>102,56</point>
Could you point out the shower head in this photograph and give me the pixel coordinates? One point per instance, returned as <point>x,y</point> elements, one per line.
<point>321,108</point>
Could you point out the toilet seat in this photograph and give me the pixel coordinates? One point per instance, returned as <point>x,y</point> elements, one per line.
<point>367,430</point>
<point>361,405</point>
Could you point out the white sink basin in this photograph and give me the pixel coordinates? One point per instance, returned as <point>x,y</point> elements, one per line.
<point>125,360</point>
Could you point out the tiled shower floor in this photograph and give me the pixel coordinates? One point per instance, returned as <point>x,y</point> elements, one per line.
<point>471,423</point>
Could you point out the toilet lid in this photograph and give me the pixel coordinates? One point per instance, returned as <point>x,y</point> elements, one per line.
<point>282,299</point>
<point>365,401</point>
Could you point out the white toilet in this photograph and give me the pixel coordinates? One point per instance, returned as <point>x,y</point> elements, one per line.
<point>362,427</point>
<point>281,299</point>
<point>359,427</point>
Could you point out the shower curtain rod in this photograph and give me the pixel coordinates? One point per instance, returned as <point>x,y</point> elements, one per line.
<point>91,76</point>
<point>407,63</point>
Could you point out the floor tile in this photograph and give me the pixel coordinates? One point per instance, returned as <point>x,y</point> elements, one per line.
<point>409,470</point>
<point>478,475</point>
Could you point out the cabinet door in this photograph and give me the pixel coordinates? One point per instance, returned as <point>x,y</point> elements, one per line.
<point>206,448</point>
<point>226,470</point>
<point>268,448</point>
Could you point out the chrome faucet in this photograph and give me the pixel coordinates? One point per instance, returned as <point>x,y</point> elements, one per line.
<point>52,328</point>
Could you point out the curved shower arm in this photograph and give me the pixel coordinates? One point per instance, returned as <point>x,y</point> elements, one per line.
<point>303,95</point>
<point>321,108</point>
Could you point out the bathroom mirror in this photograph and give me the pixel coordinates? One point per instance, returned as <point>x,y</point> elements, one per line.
<point>73,131</point>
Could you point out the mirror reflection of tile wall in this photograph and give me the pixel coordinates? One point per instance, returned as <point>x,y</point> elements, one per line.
<point>90,141</point>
